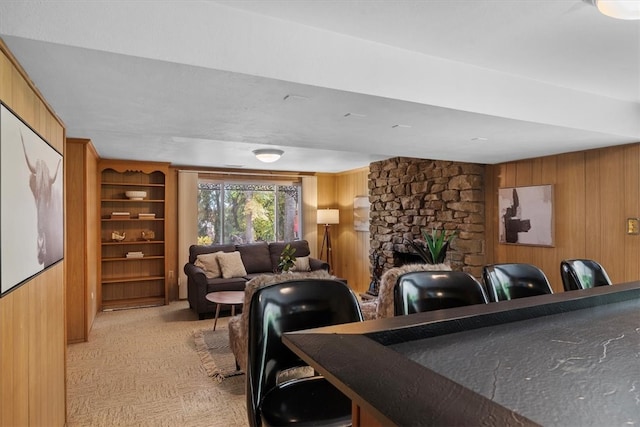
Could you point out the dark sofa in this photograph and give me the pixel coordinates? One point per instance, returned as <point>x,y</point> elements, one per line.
<point>258,258</point>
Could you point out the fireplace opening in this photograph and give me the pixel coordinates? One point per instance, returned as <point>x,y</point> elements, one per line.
<point>403,258</point>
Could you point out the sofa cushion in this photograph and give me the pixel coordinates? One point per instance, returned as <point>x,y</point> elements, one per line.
<point>195,250</point>
<point>302,264</point>
<point>231,265</point>
<point>276,248</point>
<point>255,257</point>
<point>220,284</point>
<point>209,263</point>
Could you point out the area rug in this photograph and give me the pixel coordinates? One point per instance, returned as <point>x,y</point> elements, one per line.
<point>215,353</point>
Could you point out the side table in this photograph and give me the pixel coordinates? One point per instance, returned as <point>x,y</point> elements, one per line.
<point>231,298</point>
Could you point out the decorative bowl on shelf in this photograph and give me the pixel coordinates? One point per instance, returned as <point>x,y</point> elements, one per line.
<point>136,195</point>
<point>118,236</point>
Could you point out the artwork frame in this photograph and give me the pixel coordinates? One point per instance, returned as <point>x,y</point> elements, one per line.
<point>526,215</point>
<point>32,202</point>
<point>361,208</point>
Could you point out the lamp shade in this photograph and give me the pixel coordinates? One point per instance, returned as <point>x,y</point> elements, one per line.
<point>328,216</point>
<point>268,155</point>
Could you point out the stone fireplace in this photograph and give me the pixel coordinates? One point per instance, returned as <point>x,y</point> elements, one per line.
<point>408,195</point>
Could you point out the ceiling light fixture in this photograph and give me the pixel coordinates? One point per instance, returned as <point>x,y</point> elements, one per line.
<point>619,9</point>
<point>268,155</point>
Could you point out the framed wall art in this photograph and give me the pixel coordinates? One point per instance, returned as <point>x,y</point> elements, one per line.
<point>31,207</point>
<point>361,213</point>
<point>526,215</point>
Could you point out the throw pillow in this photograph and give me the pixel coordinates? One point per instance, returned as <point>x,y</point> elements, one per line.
<point>231,265</point>
<point>302,264</point>
<point>209,263</point>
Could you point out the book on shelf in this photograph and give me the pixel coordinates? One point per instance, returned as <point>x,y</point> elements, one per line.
<point>120,215</point>
<point>146,215</point>
<point>135,255</point>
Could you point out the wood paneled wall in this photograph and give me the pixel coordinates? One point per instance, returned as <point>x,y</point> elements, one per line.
<point>82,216</point>
<point>350,247</point>
<point>32,317</point>
<point>595,192</point>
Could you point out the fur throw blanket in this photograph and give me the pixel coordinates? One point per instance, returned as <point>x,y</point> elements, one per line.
<point>390,278</point>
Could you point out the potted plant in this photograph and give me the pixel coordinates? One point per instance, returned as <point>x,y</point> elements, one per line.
<point>287,259</point>
<point>434,248</point>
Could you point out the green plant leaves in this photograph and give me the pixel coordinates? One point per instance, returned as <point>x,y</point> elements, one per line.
<point>287,258</point>
<point>436,244</point>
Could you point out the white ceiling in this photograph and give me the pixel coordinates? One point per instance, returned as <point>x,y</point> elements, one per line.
<point>336,84</point>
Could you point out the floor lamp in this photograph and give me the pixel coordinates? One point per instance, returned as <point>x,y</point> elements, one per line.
<point>327,217</point>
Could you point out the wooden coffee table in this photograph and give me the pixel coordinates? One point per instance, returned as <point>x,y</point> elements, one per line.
<point>231,298</point>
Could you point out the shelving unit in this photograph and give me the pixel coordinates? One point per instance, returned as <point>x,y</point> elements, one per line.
<point>136,281</point>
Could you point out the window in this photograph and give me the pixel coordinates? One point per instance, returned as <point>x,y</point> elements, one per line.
<point>231,212</point>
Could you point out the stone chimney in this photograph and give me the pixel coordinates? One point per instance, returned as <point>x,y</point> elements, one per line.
<point>408,195</point>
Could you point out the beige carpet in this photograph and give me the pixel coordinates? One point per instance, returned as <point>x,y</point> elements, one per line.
<point>141,368</point>
<point>215,353</point>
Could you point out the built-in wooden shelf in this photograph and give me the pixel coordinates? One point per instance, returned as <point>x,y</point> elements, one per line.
<point>133,302</point>
<point>141,281</point>
<point>111,259</point>
<point>132,279</point>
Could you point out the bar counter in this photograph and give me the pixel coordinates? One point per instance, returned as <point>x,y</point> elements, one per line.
<point>571,358</point>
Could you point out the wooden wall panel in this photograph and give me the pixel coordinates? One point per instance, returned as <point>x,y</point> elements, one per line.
<point>569,204</point>
<point>93,236</point>
<point>32,317</point>
<point>491,185</point>
<point>612,212</point>
<point>350,247</point>
<point>81,168</point>
<point>595,191</point>
<point>76,247</point>
<point>632,209</point>
<point>353,245</point>
<point>593,205</point>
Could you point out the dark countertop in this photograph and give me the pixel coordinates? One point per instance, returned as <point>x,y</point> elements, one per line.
<point>571,358</point>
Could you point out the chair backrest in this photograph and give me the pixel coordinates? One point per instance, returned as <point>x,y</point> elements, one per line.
<point>582,274</point>
<point>421,291</point>
<point>511,281</point>
<point>284,307</point>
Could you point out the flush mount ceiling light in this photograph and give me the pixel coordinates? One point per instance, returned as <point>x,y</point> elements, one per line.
<point>268,155</point>
<point>619,9</point>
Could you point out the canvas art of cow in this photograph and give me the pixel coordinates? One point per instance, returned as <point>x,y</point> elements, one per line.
<point>48,200</point>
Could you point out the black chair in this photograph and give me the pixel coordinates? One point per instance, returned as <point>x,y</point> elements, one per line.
<point>420,291</point>
<point>511,281</point>
<point>290,306</point>
<point>582,274</point>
